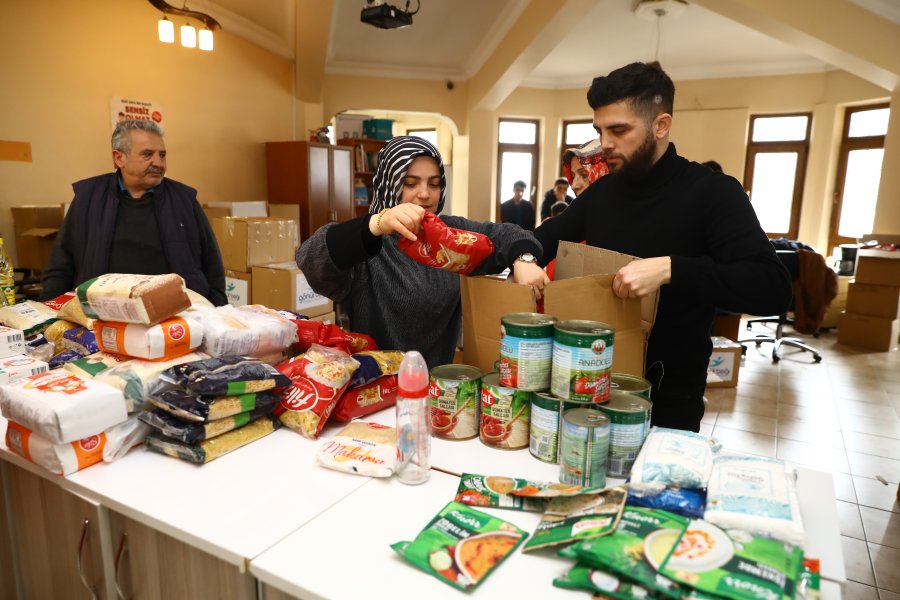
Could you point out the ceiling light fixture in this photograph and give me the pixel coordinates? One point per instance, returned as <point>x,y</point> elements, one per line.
<point>166,29</point>
<point>655,10</point>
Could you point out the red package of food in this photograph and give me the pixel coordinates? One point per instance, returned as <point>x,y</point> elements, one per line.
<point>60,301</point>
<point>316,332</point>
<point>367,399</point>
<point>318,378</point>
<point>447,248</point>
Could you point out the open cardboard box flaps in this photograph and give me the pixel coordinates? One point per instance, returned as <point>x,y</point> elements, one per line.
<point>582,290</point>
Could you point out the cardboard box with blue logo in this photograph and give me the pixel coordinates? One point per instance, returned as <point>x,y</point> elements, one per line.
<point>724,363</point>
<point>283,286</point>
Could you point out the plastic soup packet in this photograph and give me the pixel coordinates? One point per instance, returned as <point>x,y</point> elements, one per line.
<point>461,545</point>
<point>578,517</point>
<point>361,448</point>
<point>676,458</point>
<point>447,248</point>
<point>600,582</point>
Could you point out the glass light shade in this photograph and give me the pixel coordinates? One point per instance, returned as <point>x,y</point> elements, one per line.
<point>188,36</point>
<point>206,40</point>
<point>166,29</point>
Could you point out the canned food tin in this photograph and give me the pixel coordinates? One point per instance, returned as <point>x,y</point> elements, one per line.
<point>582,360</point>
<point>526,351</point>
<point>505,414</point>
<point>546,425</point>
<point>454,393</point>
<point>630,383</point>
<point>585,447</point>
<point>629,417</point>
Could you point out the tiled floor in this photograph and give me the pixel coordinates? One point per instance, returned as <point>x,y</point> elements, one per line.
<point>841,415</point>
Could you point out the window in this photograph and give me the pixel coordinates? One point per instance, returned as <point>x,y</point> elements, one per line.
<point>859,173</point>
<point>517,159</point>
<point>776,167</point>
<point>575,133</point>
<point>429,135</point>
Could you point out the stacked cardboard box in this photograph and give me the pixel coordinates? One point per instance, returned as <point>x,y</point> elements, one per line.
<point>283,286</point>
<point>36,228</point>
<point>215,210</point>
<point>873,302</point>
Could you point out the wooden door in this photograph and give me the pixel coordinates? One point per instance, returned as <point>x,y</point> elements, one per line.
<point>320,210</point>
<point>342,184</point>
<point>149,564</point>
<point>57,539</point>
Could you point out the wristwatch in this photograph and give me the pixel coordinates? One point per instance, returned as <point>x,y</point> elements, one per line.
<point>528,257</point>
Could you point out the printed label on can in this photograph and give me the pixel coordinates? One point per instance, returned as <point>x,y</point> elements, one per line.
<point>543,440</point>
<point>525,362</point>
<point>582,373</point>
<point>454,407</point>
<point>625,443</point>
<point>583,454</point>
<point>505,415</point>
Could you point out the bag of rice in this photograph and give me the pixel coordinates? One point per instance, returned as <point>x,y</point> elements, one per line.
<point>55,332</point>
<point>30,317</point>
<point>211,449</point>
<point>318,378</point>
<point>200,409</point>
<point>224,376</point>
<point>756,494</point>
<point>72,311</point>
<point>368,399</point>
<point>232,332</point>
<point>197,300</point>
<point>676,458</point>
<point>191,432</point>
<point>135,377</point>
<point>93,365</point>
<point>123,437</point>
<point>362,449</point>
<point>169,339</point>
<point>61,406</point>
<point>14,368</point>
<point>141,299</point>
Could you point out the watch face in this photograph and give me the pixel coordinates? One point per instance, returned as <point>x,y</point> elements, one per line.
<point>528,257</point>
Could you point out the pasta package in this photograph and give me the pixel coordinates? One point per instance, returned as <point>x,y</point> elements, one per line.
<point>55,332</point>
<point>140,299</point>
<point>63,358</point>
<point>326,334</point>
<point>361,448</point>
<point>29,317</point>
<point>80,339</point>
<point>93,365</point>
<point>14,368</point>
<point>232,332</point>
<point>73,312</point>
<point>211,449</point>
<point>444,247</point>
<point>60,301</point>
<point>318,378</point>
<point>191,432</point>
<point>61,406</point>
<point>224,376</point>
<point>374,364</point>
<point>368,399</point>
<point>675,458</point>
<point>169,339</point>
<point>200,409</point>
<point>136,377</point>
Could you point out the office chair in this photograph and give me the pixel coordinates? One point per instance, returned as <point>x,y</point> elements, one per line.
<point>790,260</point>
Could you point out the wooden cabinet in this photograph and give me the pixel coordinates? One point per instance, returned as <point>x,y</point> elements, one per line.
<point>316,177</point>
<point>58,539</point>
<point>149,564</point>
<point>365,154</point>
<point>7,568</point>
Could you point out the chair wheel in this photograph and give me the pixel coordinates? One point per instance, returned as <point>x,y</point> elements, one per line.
<point>775,358</point>
<point>817,357</point>
<point>758,344</point>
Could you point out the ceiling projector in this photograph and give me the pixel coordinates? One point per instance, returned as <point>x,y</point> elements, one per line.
<point>385,16</point>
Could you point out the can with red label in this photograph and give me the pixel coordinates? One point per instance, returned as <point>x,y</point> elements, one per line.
<point>454,395</point>
<point>582,360</point>
<point>505,415</point>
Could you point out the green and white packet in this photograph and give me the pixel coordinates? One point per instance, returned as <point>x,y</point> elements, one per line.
<point>642,541</point>
<point>580,517</point>
<point>461,546</point>
<point>493,491</point>
<point>598,581</point>
<point>736,564</point>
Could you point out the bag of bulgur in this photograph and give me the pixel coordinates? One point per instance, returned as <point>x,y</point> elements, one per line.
<point>199,409</point>
<point>211,449</point>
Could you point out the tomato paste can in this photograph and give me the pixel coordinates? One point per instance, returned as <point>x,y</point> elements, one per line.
<point>526,351</point>
<point>505,414</point>
<point>629,417</point>
<point>546,426</point>
<point>582,360</point>
<point>631,384</point>
<point>454,395</point>
<point>584,447</point>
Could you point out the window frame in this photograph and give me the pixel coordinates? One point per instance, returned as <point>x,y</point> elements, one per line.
<point>414,130</point>
<point>563,146</point>
<point>848,144</point>
<point>800,147</point>
<point>535,151</point>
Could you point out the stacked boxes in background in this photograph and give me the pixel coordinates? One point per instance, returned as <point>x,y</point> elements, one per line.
<point>873,302</point>
<point>215,210</point>
<point>284,286</point>
<point>36,228</point>
<point>724,363</point>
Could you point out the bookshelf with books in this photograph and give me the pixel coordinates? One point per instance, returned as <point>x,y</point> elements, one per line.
<point>365,157</point>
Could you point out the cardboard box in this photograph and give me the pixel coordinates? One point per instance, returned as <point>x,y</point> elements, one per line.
<point>727,326</point>
<point>286,211</point>
<point>878,267</point>
<point>215,210</point>
<point>724,363</point>
<point>246,242</point>
<point>349,126</point>
<point>863,331</point>
<point>284,287</point>
<point>582,290</point>
<point>874,300</point>
<point>35,228</point>
<point>327,318</point>
<point>238,288</point>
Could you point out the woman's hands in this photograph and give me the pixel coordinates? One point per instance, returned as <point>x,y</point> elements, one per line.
<point>642,277</point>
<point>405,219</point>
<point>531,274</point>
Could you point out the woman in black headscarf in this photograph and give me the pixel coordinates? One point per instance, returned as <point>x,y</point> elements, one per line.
<point>401,303</point>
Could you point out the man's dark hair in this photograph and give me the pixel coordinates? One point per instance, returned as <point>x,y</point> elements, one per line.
<point>561,181</point>
<point>645,86</point>
<point>557,208</point>
<point>713,165</point>
<point>519,184</point>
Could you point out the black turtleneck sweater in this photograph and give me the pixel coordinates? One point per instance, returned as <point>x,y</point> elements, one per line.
<point>720,258</point>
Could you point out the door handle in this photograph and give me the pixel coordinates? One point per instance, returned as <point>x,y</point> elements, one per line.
<point>85,528</point>
<point>123,549</point>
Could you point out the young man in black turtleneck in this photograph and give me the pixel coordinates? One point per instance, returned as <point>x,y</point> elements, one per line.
<point>699,239</point>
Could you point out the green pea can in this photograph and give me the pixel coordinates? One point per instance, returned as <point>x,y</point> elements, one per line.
<point>584,447</point>
<point>582,360</point>
<point>505,415</point>
<point>454,393</point>
<point>630,383</point>
<point>629,417</point>
<point>526,351</point>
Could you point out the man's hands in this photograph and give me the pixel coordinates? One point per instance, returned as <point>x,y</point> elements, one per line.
<point>642,277</point>
<point>530,274</point>
<point>405,219</point>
